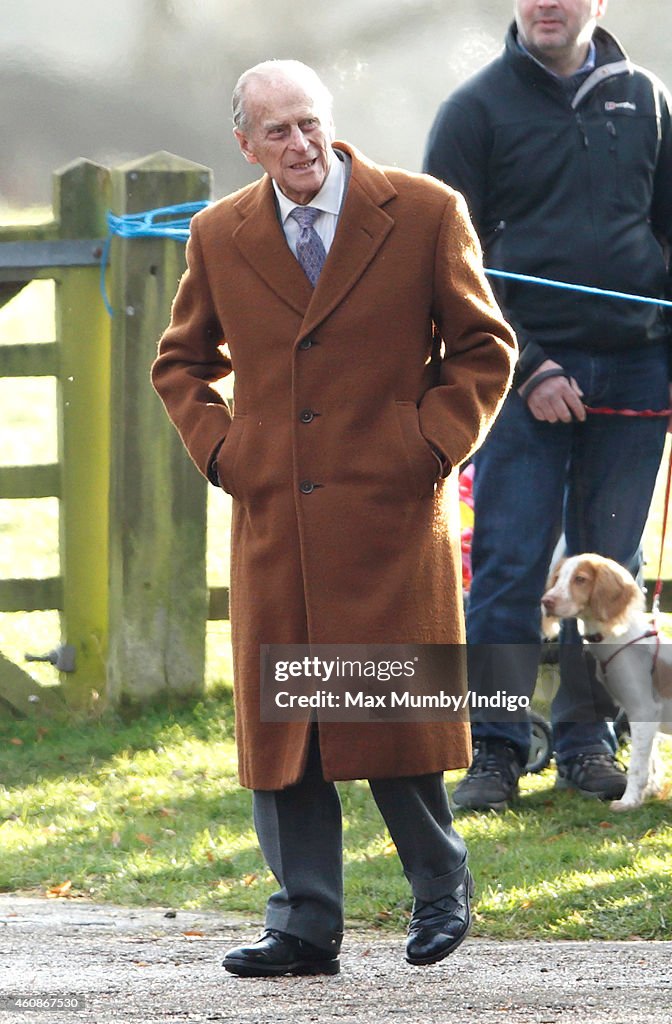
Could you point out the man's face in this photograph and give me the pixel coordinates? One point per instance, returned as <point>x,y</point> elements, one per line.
<point>290,136</point>
<point>549,27</point>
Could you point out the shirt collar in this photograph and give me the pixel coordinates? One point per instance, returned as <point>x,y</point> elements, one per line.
<point>328,199</point>
<point>588,65</point>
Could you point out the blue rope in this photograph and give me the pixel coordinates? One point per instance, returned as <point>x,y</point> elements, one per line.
<point>603,292</point>
<point>164,222</point>
<point>173,222</point>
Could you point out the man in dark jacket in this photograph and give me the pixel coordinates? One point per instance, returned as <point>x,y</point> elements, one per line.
<point>563,150</point>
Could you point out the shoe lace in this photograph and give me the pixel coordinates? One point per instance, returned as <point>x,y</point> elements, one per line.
<point>490,760</point>
<point>604,761</point>
<point>427,912</point>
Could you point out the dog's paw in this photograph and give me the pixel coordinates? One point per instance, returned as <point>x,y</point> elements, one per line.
<point>624,805</point>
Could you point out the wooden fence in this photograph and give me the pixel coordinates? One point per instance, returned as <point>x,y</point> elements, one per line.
<point>132,591</point>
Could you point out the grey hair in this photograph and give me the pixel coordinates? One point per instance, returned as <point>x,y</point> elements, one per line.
<point>271,70</point>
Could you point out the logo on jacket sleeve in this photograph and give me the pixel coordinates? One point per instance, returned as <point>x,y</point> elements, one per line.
<point>625,105</point>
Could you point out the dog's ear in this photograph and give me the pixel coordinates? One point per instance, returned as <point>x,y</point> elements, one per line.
<point>614,592</point>
<point>554,572</point>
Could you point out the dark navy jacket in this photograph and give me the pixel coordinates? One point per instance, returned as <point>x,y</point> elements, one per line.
<point>576,188</point>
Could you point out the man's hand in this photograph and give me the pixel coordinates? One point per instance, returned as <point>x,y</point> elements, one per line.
<point>555,400</point>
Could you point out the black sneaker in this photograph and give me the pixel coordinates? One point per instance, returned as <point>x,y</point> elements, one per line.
<point>492,781</point>
<point>597,775</point>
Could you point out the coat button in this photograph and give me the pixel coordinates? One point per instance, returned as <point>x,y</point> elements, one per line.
<point>306,415</point>
<point>305,344</point>
<point>306,486</point>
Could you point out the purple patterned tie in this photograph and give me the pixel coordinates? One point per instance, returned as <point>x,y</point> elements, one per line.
<point>310,251</point>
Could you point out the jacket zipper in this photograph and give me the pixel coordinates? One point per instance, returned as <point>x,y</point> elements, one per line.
<point>582,129</point>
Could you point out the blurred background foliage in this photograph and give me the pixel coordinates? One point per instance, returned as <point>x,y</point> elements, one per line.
<point>114,81</point>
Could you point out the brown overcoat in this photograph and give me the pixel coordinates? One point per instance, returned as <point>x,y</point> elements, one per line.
<point>340,531</point>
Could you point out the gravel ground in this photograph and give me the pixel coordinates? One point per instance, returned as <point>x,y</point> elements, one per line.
<point>143,966</point>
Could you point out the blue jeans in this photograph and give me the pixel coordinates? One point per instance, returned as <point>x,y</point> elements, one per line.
<point>533,481</point>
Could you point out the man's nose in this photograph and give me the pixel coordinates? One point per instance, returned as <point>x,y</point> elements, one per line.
<point>298,140</point>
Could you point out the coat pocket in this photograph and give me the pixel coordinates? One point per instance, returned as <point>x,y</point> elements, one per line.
<point>228,457</point>
<point>422,464</point>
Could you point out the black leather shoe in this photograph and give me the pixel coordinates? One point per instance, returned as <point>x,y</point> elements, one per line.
<point>438,927</point>
<point>277,953</point>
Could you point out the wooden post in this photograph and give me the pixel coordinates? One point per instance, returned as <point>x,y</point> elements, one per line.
<point>158,592</point>
<point>81,199</point>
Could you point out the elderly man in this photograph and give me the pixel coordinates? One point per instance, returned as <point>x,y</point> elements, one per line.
<point>369,360</point>
<point>563,150</point>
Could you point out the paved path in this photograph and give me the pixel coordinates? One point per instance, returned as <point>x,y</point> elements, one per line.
<point>141,966</point>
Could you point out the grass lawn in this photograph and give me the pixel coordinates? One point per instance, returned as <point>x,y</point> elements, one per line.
<point>147,809</point>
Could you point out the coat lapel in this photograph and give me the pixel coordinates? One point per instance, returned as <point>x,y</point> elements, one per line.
<point>362,228</point>
<point>262,242</point>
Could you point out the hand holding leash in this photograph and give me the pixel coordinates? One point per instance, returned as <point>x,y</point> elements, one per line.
<point>552,395</point>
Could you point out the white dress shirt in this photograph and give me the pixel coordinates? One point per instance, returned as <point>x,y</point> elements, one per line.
<point>328,201</point>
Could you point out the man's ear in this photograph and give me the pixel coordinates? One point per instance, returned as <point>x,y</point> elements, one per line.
<point>601,8</point>
<point>245,147</point>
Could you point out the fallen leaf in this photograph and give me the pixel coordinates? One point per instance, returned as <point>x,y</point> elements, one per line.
<point>193,934</point>
<point>60,890</point>
<point>144,838</point>
<point>606,824</point>
<point>16,741</point>
<point>115,839</point>
<point>389,849</point>
<point>210,856</point>
<point>250,879</point>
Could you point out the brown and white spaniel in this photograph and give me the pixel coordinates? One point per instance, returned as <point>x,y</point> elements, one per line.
<point>633,662</point>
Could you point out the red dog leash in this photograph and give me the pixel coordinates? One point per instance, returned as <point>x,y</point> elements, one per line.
<point>648,414</point>
<point>643,413</point>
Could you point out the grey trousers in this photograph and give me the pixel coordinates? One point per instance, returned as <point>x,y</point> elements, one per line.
<point>300,834</point>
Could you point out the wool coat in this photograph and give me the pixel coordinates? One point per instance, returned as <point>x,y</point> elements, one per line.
<point>344,529</point>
